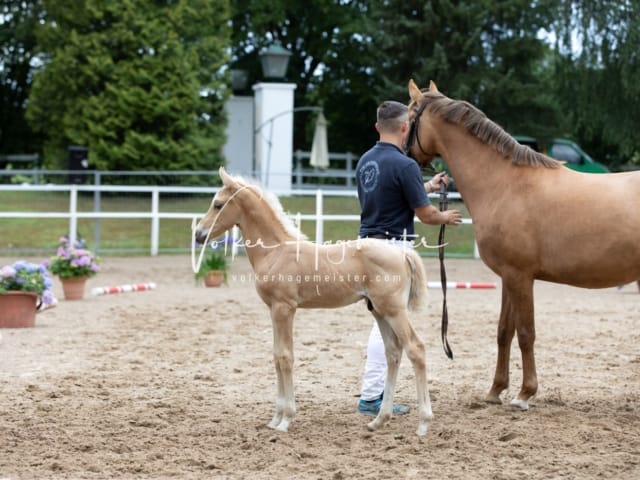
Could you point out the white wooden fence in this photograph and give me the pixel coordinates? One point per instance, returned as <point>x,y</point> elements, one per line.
<point>156,214</point>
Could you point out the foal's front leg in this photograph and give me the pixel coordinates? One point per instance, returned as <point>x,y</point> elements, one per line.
<point>282,320</point>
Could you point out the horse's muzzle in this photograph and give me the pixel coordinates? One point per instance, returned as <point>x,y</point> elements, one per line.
<point>200,236</point>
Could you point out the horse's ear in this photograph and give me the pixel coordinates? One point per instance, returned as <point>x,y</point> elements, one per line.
<point>414,91</point>
<point>227,180</point>
<point>432,87</point>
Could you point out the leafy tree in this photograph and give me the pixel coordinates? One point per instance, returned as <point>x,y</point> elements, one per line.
<point>486,52</point>
<point>597,75</point>
<point>351,55</point>
<point>320,36</point>
<point>349,88</point>
<point>17,44</point>
<point>141,83</point>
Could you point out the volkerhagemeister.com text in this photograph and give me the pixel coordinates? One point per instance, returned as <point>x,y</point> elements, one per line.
<point>312,278</point>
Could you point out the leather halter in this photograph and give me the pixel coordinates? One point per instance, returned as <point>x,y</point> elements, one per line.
<point>411,137</point>
<point>413,133</point>
<point>444,204</point>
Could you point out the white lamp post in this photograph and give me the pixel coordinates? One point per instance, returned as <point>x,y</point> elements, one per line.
<point>275,60</point>
<point>274,129</point>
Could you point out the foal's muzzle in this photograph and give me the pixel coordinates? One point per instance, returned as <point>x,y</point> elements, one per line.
<point>201,236</point>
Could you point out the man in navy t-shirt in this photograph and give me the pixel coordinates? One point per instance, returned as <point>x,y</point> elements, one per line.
<point>391,193</point>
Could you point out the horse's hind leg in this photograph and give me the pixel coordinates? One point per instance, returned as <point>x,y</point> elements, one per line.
<point>393,353</point>
<point>414,347</point>
<point>416,353</point>
<point>402,335</point>
<point>282,319</point>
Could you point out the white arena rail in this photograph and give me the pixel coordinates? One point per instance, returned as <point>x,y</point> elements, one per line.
<point>155,214</point>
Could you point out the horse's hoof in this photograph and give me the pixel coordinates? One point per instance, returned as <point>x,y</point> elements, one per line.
<point>422,429</point>
<point>521,404</point>
<point>493,399</point>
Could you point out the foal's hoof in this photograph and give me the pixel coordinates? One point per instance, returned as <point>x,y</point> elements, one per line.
<point>279,423</point>
<point>520,404</point>
<point>493,399</point>
<point>378,422</point>
<point>422,429</point>
<point>275,421</point>
<point>281,427</point>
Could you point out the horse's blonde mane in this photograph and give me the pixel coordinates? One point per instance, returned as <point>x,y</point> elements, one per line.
<point>274,203</point>
<point>477,124</point>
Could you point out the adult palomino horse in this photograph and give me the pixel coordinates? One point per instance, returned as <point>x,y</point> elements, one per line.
<point>292,273</point>
<point>532,218</point>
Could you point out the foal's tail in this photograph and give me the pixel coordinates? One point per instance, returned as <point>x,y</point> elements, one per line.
<point>418,289</point>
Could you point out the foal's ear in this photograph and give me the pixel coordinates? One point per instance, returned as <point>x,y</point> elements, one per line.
<point>432,87</point>
<point>227,179</point>
<point>414,91</point>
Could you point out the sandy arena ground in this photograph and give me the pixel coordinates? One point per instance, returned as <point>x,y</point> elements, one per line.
<point>178,383</point>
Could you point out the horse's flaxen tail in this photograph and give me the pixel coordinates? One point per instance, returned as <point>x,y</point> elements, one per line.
<point>418,287</point>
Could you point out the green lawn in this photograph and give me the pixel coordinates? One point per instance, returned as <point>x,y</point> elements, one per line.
<point>132,236</point>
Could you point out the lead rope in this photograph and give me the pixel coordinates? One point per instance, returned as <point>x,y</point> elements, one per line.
<point>443,275</point>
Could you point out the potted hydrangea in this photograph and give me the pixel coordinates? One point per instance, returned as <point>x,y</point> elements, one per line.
<point>73,265</point>
<point>24,289</point>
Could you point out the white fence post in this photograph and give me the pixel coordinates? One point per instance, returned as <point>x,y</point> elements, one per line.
<point>155,215</point>
<point>235,236</point>
<point>73,216</point>
<point>319,218</point>
<point>155,221</point>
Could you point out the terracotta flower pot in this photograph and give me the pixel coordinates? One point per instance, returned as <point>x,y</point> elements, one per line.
<point>18,309</point>
<point>214,278</point>
<point>73,288</point>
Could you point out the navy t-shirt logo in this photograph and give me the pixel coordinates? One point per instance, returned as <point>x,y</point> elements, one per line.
<point>369,174</point>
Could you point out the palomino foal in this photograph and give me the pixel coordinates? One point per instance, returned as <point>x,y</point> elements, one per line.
<point>292,273</point>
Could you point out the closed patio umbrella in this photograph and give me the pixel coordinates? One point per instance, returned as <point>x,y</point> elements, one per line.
<point>319,147</point>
